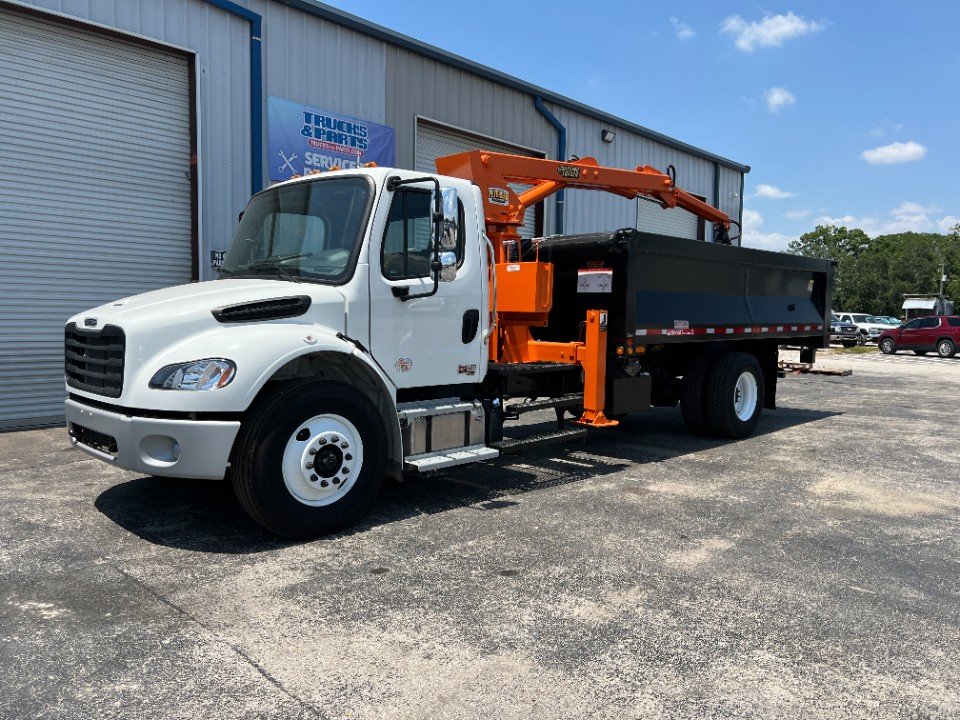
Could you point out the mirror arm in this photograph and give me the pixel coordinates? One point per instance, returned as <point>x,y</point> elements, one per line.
<point>403,293</point>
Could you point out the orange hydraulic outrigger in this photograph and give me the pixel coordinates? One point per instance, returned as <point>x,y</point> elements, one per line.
<point>524,288</point>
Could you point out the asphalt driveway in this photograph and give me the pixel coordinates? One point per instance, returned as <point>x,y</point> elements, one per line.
<point>809,571</point>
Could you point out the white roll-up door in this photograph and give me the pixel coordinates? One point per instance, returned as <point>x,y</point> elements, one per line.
<point>95,192</point>
<point>435,141</point>
<point>674,222</point>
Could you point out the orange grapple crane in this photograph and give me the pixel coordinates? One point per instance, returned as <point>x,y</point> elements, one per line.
<point>522,290</point>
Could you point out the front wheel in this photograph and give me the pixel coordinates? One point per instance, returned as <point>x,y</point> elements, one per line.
<point>946,348</point>
<point>887,346</point>
<point>735,395</point>
<point>310,459</point>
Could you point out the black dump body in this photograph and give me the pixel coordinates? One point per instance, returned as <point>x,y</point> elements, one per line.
<point>661,290</point>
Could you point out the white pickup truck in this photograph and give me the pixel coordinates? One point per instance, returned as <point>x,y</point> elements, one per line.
<point>354,335</point>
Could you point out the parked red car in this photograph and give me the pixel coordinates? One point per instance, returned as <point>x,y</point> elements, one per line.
<point>923,335</point>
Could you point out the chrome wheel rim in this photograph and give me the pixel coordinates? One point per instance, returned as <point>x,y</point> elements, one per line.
<point>745,395</point>
<point>322,460</point>
<point>944,350</point>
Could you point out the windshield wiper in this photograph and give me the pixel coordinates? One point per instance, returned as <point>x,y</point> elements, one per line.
<point>274,263</point>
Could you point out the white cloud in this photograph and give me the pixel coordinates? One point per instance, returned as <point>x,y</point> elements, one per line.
<point>754,237</point>
<point>912,208</point>
<point>777,98</point>
<point>897,152</point>
<point>684,31</point>
<point>771,31</point>
<point>769,192</point>
<point>947,223</point>
<point>796,214</point>
<point>906,217</point>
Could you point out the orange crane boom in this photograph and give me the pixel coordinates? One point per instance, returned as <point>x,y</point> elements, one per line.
<point>522,290</point>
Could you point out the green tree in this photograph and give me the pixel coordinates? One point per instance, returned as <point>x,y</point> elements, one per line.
<point>839,244</point>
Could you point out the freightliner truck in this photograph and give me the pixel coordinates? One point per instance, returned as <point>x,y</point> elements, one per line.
<point>374,322</point>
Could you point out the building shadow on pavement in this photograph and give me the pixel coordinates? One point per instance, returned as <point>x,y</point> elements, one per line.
<point>205,516</point>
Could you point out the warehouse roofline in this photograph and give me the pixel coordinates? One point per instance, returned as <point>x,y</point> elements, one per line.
<point>365,27</point>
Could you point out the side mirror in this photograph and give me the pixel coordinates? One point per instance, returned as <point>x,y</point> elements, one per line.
<point>450,229</point>
<point>448,266</point>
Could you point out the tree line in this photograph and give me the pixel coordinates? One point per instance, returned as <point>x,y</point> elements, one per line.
<point>873,274</point>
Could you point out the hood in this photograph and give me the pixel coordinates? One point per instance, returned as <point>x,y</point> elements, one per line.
<point>157,320</point>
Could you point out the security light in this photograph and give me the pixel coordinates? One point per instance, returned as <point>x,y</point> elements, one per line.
<point>607,135</point>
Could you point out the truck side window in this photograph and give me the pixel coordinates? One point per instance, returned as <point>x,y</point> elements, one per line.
<point>407,245</point>
<point>954,322</point>
<point>408,238</point>
<point>912,325</point>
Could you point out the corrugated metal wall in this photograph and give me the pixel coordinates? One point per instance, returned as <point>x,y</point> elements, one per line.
<point>315,62</point>
<point>310,60</point>
<point>588,211</point>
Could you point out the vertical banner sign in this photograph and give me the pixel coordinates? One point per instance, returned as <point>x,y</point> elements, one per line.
<point>304,138</point>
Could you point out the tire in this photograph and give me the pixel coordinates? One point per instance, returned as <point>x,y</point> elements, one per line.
<point>850,344</point>
<point>919,352</point>
<point>888,346</point>
<point>861,339</point>
<point>735,395</point>
<point>946,348</point>
<point>311,422</point>
<point>693,394</point>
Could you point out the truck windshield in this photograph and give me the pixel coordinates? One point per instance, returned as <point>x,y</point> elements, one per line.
<point>307,230</point>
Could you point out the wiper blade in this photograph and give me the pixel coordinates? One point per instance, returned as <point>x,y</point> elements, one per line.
<point>274,260</point>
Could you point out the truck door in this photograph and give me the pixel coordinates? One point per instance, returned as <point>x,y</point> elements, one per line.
<point>432,340</point>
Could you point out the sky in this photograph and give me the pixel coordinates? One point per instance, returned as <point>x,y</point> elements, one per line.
<point>848,113</point>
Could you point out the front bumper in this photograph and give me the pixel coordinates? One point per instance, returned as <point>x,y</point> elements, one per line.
<point>170,448</point>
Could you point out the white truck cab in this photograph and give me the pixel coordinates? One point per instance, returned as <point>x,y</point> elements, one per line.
<point>321,281</point>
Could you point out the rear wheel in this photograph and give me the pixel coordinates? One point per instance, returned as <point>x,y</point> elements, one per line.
<point>310,459</point>
<point>735,395</point>
<point>887,346</point>
<point>693,395</point>
<point>946,348</point>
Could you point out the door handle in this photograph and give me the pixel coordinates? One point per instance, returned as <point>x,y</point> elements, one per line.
<point>471,323</point>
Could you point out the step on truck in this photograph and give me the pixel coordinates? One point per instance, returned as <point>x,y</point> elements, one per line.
<point>374,322</point>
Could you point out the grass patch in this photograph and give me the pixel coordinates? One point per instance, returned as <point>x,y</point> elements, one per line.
<point>856,350</point>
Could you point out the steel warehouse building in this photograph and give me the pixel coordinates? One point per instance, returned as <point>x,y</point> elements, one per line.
<point>132,134</point>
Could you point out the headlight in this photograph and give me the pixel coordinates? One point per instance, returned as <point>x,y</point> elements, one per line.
<point>195,375</point>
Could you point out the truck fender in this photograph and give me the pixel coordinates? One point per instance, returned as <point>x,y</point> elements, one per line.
<point>338,359</point>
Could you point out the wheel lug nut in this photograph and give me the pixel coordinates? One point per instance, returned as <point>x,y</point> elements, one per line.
<point>313,451</point>
<point>323,441</point>
<point>348,456</point>
<point>309,466</point>
<point>344,445</point>
<point>335,439</point>
<point>336,481</point>
<point>324,483</point>
<point>345,470</point>
<point>313,478</point>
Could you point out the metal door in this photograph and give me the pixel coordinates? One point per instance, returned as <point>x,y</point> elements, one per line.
<point>427,341</point>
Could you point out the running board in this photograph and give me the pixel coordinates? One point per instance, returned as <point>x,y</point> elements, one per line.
<point>564,401</point>
<point>449,458</point>
<point>515,445</point>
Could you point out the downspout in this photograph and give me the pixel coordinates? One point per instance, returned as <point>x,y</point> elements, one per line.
<point>256,89</point>
<point>561,153</point>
